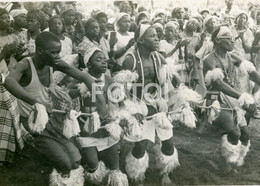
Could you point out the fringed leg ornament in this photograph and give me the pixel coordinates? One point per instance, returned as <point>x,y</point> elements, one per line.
<point>116,178</point>
<point>76,177</point>
<point>243,153</point>
<point>230,152</point>
<point>165,163</point>
<point>135,168</point>
<point>98,176</point>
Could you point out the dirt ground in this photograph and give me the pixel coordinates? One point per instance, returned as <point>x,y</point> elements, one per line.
<point>199,156</point>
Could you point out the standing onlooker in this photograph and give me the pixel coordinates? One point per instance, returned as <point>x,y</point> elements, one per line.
<point>243,36</point>
<point>125,39</point>
<point>35,20</point>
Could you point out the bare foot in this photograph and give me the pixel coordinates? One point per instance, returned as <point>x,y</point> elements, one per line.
<point>165,180</point>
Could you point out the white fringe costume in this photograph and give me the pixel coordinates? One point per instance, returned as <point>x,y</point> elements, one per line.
<point>230,152</point>
<point>98,176</point>
<point>167,164</point>
<point>116,178</point>
<point>181,109</point>
<point>75,178</point>
<point>243,153</point>
<point>159,123</point>
<point>135,168</point>
<point>235,154</point>
<point>104,176</point>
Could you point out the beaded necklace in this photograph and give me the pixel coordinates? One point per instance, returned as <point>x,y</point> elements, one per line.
<point>227,72</point>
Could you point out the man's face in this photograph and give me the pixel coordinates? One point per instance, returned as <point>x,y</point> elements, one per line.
<point>21,20</point>
<point>226,42</point>
<point>51,54</point>
<point>150,39</point>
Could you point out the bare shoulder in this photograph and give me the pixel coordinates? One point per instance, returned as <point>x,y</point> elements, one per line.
<point>22,65</point>
<point>162,58</point>
<point>128,63</point>
<point>109,79</point>
<point>209,62</point>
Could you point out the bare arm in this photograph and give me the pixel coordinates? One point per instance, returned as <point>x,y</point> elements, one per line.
<point>119,53</point>
<point>128,63</point>
<point>12,83</point>
<point>255,46</point>
<point>85,78</point>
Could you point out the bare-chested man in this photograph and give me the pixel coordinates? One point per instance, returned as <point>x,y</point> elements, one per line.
<point>147,63</point>
<point>231,76</point>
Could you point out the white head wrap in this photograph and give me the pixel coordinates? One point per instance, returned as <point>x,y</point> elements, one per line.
<point>173,24</point>
<point>89,53</point>
<point>120,16</point>
<point>143,28</point>
<point>159,11</point>
<point>207,19</point>
<point>224,30</point>
<point>158,25</point>
<point>16,12</point>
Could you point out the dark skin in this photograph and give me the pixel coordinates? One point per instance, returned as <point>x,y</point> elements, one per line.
<point>124,26</point>
<point>241,27</point>
<point>20,22</point>
<point>12,48</point>
<point>148,43</point>
<point>44,58</point>
<point>222,46</point>
<point>171,34</point>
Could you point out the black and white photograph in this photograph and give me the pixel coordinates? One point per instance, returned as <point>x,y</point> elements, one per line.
<point>129,92</point>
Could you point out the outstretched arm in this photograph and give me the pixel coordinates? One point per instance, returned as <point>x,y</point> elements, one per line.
<point>85,78</point>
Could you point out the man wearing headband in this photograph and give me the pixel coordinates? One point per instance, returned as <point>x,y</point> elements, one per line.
<point>148,64</point>
<point>231,76</point>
